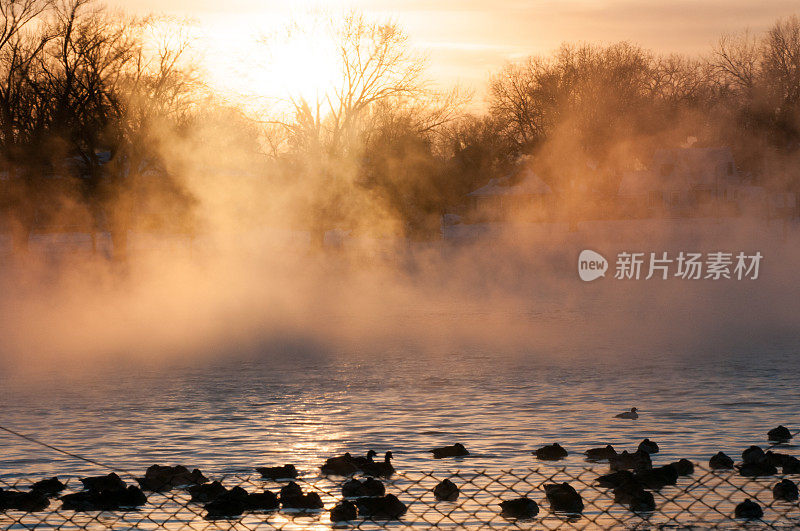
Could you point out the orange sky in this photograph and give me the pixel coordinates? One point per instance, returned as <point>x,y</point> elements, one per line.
<point>469,39</point>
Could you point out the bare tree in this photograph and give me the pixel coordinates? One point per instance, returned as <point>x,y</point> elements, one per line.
<point>379,72</point>
<point>736,59</point>
<point>781,61</point>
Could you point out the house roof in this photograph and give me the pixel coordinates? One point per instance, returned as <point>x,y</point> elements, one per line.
<point>528,184</point>
<point>682,169</point>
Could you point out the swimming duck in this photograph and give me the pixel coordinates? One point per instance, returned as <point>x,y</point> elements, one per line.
<point>230,504</point>
<point>104,500</point>
<point>785,490</point>
<point>446,490</point>
<point>368,487</point>
<point>344,512</point>
<point>754,454</point>
<point>455,450</point>
<point>761,468</point>
<point>777,458</point>
<point>598,454</point>
<point>636,461</point>
<point>360,461</point>
<point>635,497</point>
<point>720,460</point>
<point>684,467</point>
<point>631,415</point>
<point>28,502</point>
<point>379,469</point>
<point>779,434</point>
<point>158,478</point>
<point>519,508</point>
<point>339,466</point>
<point>642,501</point>
<point>108,482</point>
<point>791,465</point>
<point>616,479</point>
<point>550,452</point>
<point>206,492</point>
<point>278,472</point>
<point>292,497</point>
<point>648,446</point>
<point>624,492</point>
<point>657,478</point>
<point>563,497</point>
<point>388,506</point>
<point>749,509</point>
<point>48,487</point>
<point>262,501</point>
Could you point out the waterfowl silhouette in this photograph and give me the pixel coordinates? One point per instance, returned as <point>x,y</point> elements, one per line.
<point>641,501</point>
<point>262,501</point>
<point>230,504</point>
<point>519,508</point>
<point>624,492</point>
<point>779,434</point>
<point>388,507</point>
<point>108,482</point>
<point>657,478</point>
<point>648,446</point>
<point>456,450</point>
<point>550,452</point>
<point>785,489</point>
<point>48,487</point>
<point>360,461</point>
<point>683,467</point>
<point>749,509</point>
<point>633,494</point>
<point>206,492</point>
<point>355,488</point>
<point>631,415</point>
<point>446,490</point>
<point>754,454</point>
<point>598,454</point>
<point>761,468</point>
<point>720,460</point>
<point>158,478</point>
<point>380,469</point>
<point>104,500</point>
<point>344,511</point>
<point>278,472</point>
<point>339,466</point>
<point>290,490</point>
<point>791,465</point>
<point>292,497</point>
<point>777,458</point>
<point>637,460</point>
<point>28,502</point>
<point>563,497</point>
<point>616,479</point>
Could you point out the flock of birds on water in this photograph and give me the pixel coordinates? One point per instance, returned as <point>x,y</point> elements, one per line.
<point>631,479</point>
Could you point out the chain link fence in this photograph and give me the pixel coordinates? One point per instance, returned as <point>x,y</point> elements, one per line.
<point>702,498</point>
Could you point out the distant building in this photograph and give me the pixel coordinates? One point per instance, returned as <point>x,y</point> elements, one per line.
<point>684,179</point>
<point>515,194</point>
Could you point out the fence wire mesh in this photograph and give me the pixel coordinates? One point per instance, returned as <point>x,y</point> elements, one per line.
<point>704,498</point>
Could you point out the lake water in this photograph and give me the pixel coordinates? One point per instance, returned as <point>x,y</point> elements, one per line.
<point>229,418</point>
<point>504,356</point>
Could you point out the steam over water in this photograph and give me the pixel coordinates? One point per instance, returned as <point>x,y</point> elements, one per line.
<point>501,348</point>
<point>489,340</point>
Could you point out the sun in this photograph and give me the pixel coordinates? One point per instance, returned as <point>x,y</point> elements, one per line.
<point>274,60</point>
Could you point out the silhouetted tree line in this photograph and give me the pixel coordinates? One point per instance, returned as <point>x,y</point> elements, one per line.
<point>85,100</point>
<point>91,98</point>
